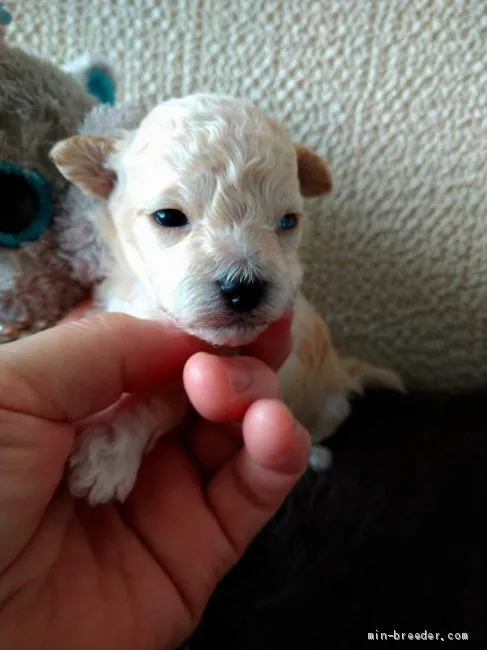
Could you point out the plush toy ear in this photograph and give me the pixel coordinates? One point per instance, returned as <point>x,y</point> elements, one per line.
<point>82,160</point>
<point>313,172</point>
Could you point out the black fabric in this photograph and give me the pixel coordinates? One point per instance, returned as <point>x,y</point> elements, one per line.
<point>392,539</point>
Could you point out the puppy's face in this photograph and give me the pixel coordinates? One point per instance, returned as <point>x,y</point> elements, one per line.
<point>205,202</point>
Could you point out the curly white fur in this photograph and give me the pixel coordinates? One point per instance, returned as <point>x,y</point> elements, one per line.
<point>234,172</point>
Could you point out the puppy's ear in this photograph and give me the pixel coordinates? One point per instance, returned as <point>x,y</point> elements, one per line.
<point>313,172</point>
<point>82,160</point>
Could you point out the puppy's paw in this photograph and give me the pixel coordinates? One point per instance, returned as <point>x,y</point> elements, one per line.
<point>333,410</point>
<point>104,465</point>
<point>320,458</point>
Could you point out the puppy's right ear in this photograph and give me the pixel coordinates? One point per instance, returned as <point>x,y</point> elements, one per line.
<point>84,161</point>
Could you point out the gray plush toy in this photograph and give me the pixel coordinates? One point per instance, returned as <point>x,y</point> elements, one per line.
<point>47,260</point>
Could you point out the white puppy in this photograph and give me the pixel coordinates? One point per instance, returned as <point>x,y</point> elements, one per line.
<point>201,212</point>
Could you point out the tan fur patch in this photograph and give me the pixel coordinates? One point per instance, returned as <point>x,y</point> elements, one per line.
<point>82,161</point>
<point>313,172</point>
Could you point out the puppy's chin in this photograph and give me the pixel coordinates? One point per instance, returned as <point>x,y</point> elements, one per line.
<point>232,336</point>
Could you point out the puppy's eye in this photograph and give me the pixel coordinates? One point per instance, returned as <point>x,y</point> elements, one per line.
<point>170,218</point>
<point>288,222</point>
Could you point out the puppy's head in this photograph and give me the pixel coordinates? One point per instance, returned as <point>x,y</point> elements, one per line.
<point>205,202</point>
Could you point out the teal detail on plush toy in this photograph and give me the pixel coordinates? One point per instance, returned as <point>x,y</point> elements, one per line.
<point>5,16</point>
<point>27,209</point>
<point>101,85</point>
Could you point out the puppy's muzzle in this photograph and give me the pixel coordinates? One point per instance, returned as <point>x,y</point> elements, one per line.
<point>242,295</point>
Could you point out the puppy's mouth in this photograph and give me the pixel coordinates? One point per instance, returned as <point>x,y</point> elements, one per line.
<point>229,333</point>
<point>226,332</point>
<point>233,332</point>
<point>225,329</point>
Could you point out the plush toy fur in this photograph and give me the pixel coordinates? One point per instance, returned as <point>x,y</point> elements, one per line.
<point>39,104</point>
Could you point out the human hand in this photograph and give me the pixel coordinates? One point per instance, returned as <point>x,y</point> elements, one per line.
<point>136,576</point>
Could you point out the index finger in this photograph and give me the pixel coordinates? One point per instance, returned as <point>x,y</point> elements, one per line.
<point>79,311</point>
<point>274,345</point>
<point>76,369</point>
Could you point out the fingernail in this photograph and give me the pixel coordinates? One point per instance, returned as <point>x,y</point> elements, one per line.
<point>238,375</point>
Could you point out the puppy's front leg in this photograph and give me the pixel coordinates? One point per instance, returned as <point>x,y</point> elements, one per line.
<point>313,381</point>
<point>105,462</point>
<point>316,382</point>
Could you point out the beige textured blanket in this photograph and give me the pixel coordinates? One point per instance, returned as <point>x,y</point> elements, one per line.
<point>392,92</point>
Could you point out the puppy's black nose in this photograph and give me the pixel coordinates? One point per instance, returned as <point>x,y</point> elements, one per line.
<point>242,295</point>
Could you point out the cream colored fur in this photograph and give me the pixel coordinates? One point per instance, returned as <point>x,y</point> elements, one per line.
<point>234,172</point>
<point>392,92</point>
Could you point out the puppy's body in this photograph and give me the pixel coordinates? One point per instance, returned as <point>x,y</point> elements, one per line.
<point>201,212</point>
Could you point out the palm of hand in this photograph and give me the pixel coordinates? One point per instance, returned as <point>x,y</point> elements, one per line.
<point>118,576</point>
<point>136,575</point>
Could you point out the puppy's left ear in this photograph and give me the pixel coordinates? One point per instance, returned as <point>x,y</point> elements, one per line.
<point>313,172</point>
<point>85,162</point>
